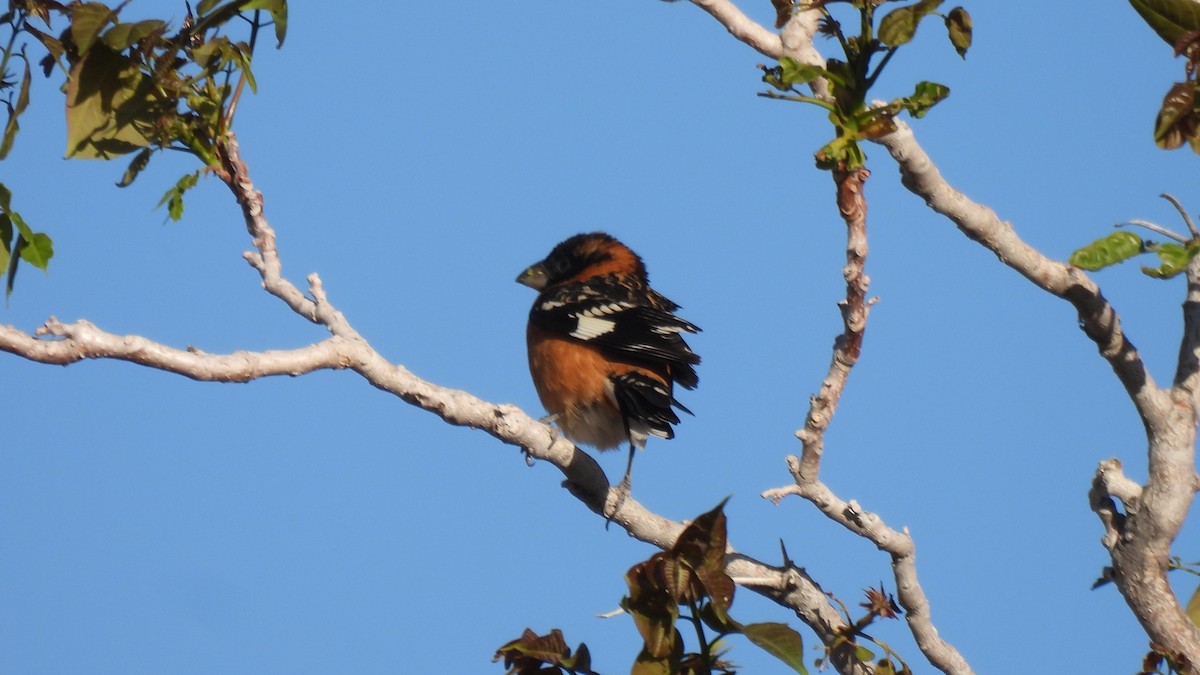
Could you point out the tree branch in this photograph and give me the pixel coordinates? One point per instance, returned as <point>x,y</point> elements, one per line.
<point>855,309</point>
<point>901,548</point>
<point>1139,540</point>
<point>1097,318</point>
<point>742,27</point>
<point>83,340</point>
<point>805,470</point>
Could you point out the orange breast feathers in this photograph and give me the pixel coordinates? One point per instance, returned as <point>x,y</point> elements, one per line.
<point>574,382</point>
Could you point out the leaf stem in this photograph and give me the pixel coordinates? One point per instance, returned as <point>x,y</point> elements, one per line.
<point>802,98</point>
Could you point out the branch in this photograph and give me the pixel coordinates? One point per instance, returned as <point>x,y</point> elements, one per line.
<point>83,340</point>
<point>786,585</point>
<point>1140,540</point>
<point>846,349</point>
<point>743,27</point>
<point>1187,371</point>
<point>899,545</point>
<point>795,39</point>
<point>855,309</point>
<point>1097,318</point>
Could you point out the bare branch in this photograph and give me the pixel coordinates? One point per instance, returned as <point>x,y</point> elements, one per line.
<point>795,39</point>
<point>1097,318</point>
<point>266,260</point>
<point>899,545</point>
<point>585,479</point>
<point>1139,541</point>
<point>822,406</point>
<point>1187,371</point>
<point>83,340</point>
<point>848,345</point>
<point>743,27</point>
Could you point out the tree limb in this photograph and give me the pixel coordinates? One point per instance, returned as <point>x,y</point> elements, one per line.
<point>1139,540</point>
<point>805,470</point>
<point>901,548</point>
<point>855,309</point>
<point>742,27</point>
<point>1097,318</point>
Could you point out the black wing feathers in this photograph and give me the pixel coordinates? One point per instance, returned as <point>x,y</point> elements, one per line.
<point>611,315</point>
<point>645,399</point>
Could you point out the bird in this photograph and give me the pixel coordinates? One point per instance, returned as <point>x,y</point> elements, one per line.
<point>605,349</point>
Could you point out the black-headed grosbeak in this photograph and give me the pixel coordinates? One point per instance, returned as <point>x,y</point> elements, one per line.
<point>605,349</point>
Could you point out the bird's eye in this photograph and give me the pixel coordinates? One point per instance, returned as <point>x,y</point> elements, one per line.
<point>560,266</point>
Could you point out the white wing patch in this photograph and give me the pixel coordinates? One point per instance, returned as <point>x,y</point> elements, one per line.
<point>589,327</point>
<point>594,322</point>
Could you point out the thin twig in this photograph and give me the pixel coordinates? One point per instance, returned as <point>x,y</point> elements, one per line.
<point>1153,227</point>
<point>1183,212</point>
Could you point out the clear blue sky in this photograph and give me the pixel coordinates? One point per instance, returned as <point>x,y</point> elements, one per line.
<point>418,156</point>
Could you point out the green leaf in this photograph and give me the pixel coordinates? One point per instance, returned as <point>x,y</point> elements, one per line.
<point>35,248</point>
<point>1174,259</point>
<point>121,36</point>
<point>135,167</point>
<point>647,664</point>
<point>900,25</point>
<point>1171,19</point>
<point>925,96</point>
<point>174,196</point>
<point>205,6</point>
<point>1115,248</point>
<point>6,240</point>
<point>795,73</point>
<point>279,17</point>
<point>38,250</point>
<point>1193,607</point>
<point>841,151</point>
<point>109,106</point>
<point>778,640</point>
<point>10,129</point>
<point>959,25</point>
<point>87,20</point>
<point>11,276</point>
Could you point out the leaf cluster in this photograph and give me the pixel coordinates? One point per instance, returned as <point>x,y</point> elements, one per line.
<point>1178,23</point>
<point>131,86</point>
<point>533,654</point>
<point>1121,246</point>
<point>19,242</point>
<point>879,605</point>
<point>866,55</point>
<point>690,575</point>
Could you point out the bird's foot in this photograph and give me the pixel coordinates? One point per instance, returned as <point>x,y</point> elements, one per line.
<point>616,501</point>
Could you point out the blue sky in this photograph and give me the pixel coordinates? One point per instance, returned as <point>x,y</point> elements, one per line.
<point>418,156</point>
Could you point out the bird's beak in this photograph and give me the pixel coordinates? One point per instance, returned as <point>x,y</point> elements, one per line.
<point>534,277</point>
